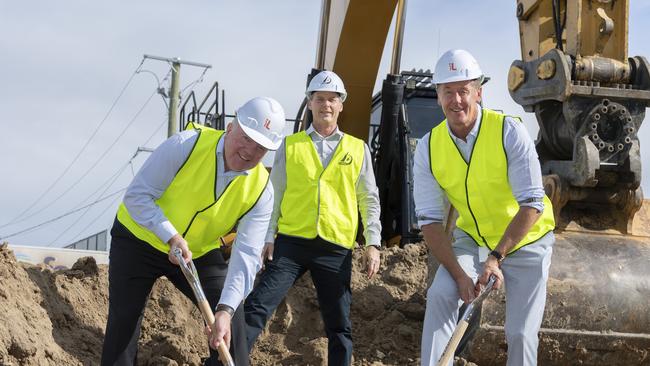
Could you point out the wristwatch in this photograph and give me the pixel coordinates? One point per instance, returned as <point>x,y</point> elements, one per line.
<point>226,308</point>
<point>498,256</point>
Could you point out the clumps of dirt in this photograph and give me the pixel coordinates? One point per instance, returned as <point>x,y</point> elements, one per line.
<point>24,322</point>
<point>387,314</point>
<point>86,266</point>
<point>58,317</point>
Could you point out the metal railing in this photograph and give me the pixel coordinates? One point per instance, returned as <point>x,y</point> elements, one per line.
<point>207,112</point>
<point>210,116</point>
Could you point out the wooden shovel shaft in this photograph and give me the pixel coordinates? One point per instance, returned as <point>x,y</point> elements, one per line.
<point>448,354</point>
<point>208,316</point>
<point>189,271</point>
<point>461,328</point>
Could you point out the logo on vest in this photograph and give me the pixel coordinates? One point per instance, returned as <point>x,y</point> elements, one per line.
<point>346,160</point>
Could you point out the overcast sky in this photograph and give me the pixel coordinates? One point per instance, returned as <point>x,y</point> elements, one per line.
<point>64,63</point>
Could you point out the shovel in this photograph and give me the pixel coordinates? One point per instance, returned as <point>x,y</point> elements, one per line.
<point>192,277</point>
<point>450,349</point>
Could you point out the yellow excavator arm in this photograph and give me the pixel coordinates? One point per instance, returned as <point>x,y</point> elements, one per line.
<point>352,38</point>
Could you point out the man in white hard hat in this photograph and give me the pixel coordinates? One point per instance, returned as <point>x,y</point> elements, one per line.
<point>322,179</point>
<point>193,189</point>
<point>485,164</point>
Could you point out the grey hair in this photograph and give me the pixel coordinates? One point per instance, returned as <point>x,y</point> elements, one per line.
<point>479,81</point>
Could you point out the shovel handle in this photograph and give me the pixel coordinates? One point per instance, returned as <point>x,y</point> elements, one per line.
<point>208,316</point>
<point>204,306</point>
<point>448,354</point>
<point>461,328</point>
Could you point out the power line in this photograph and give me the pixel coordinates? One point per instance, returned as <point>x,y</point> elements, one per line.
<point>95,219</point>
<point>155,132</point>
<point>88,208</point>
<point>76,237</point>
<point>65,171</point>
<point>119,171</point>
<point>96,162</point>
<point>161,90</point>
<point>61,216</point>
<point>195,82</point>
<point>129,163</point>
<point>200,79</point>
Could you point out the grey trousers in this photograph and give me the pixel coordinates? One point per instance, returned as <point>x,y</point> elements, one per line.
<point>525,273</point>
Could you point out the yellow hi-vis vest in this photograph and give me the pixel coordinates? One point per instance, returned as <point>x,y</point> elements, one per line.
<point>480,190</point>
<point>190,202</point>
<point>321,201</point>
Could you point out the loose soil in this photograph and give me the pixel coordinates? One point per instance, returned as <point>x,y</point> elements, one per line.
<point>58,317</point>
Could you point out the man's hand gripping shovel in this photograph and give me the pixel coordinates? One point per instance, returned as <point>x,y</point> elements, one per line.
<point>448,354</point>
<point>192,277</point>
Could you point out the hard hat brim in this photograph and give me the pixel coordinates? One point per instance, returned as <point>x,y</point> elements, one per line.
<point>454,79</point>
<point>342,95</point>
<point>264,141</point>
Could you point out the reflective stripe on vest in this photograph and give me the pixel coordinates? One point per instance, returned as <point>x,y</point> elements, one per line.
<point>479,190</point>
<point>190,203</point>
<point>321,202</point>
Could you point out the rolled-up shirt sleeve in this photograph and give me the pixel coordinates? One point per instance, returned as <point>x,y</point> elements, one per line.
<point>427,194</point>
<point>245,259</point>
<point>152,180</point>
<point>524,171</point>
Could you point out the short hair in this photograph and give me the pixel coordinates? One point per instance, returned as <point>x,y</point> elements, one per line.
<point>478,82</point>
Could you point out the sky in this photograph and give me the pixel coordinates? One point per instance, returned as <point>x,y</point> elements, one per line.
<point>74,112</point>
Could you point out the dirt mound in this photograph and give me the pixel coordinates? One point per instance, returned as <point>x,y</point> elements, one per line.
<point>58,318</point>
<point>387,314</point>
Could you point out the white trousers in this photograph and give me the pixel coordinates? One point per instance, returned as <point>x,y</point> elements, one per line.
<point>525,272</point>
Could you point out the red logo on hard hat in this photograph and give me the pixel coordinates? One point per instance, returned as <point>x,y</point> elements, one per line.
<point>452,67</point>
<point>267,124</point>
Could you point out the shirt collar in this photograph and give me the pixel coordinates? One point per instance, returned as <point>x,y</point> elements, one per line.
<point>474,132</point>
<point>221,162</point>
<point>336,135</point>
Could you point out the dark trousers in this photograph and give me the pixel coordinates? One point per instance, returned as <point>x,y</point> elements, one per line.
<point>133,268</point>
<point>330,267</point>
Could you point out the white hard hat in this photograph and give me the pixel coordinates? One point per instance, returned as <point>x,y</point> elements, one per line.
<point>456,65</point>
<point>262,119</point>
<point>327,81</point>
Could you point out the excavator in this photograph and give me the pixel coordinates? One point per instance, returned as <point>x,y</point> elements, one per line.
<point>589,98</point>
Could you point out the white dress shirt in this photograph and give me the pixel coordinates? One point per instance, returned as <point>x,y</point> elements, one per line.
<point>153,179</point>
<point>366,188</point>
<point>524,172</point>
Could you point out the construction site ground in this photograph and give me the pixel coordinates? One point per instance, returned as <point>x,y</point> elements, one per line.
<point>58,317</point>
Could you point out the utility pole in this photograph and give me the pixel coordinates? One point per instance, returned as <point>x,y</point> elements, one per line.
<point>172,125</point>
<point>175,62</point>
